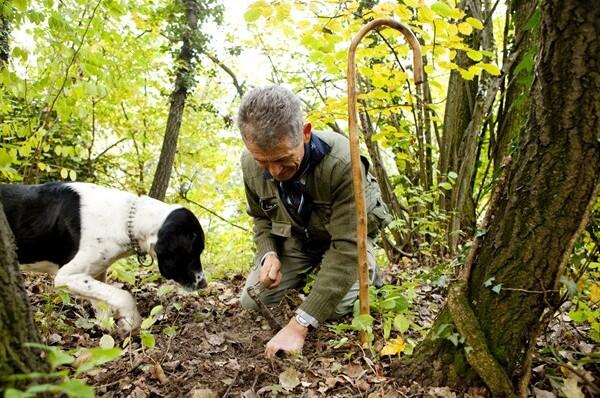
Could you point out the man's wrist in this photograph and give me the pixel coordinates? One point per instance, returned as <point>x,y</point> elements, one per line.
<point>298,326</point>
<point>269,253</point>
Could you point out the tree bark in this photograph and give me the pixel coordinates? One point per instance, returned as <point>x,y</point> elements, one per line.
<point>183,84</point>
<point>512,115</point>
<point>16,320</point>
<point>456,151</point>
<point>4,34</point>
<point>535,221</point>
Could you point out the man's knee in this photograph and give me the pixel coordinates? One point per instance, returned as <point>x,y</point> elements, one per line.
<point>246,302</point>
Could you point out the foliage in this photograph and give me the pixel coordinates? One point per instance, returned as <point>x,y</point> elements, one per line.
<point>86,360</point>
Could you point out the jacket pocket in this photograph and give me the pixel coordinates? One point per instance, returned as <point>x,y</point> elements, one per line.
<point>378,218</point>
<point>269,205</point>
<point>281,229</point>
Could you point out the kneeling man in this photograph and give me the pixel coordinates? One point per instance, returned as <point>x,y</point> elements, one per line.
<point>299,190</point>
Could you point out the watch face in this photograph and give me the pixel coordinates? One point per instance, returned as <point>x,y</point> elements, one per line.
<point>302,321</point>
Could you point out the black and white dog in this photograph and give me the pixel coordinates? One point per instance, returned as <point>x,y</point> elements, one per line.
<point>77,230</point>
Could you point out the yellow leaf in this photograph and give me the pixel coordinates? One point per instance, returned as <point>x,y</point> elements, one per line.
<point>425,14</point>
<point>393,347</point>
<point>490,68</point>
<point>428,69</point>
<point>64,173</point>
<point>595,292</point>
<point>465,28</point>
<point>475,55</point>
<point>466,74</point>
<point>474,22</point>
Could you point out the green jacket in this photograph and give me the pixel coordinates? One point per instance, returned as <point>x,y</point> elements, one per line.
<point>331,224</point>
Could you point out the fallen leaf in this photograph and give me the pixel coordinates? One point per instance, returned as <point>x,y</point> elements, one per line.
<point>362,385</point>
<point>289,379</point>
<point>393,347</point>
<point>107,341</point>
<point>332,381</point>
<point>215,339</point>
<point>538,393</point>
<point>158,373</point>
<point>203,393</point>
<point>440,392</point>
<point>571,389</point>
<point>249,394</point>
<point>354,370</point>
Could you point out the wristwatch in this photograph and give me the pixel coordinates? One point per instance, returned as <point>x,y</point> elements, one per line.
<point>303,322</point>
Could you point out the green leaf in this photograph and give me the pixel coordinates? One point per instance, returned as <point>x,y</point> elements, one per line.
<point>147,323</point>
<point>64,173</point>
<point>12,393</point>
<point>20,5</point>
<point>98,357</point>
<point>578,316</point>
<point>156,310</point>
<point>442,9</point>
<point>56,356</point>
<point>148,340</point>
<point>362,322</point>
<point>76,388</point>
<point>401,324</point>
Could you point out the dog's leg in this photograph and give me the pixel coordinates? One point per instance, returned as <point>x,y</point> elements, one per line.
<point>101,309</point>
<point>74,275</point>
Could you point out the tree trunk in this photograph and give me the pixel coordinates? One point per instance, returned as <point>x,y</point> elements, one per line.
<point>4,33</point>
<point>16,320</point>
<point>512,115</point>
<point>183,84</point>
<point>456,151</point>
<point>538,216</point>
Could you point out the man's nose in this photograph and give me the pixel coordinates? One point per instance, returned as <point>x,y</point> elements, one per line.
<point>275,169</point>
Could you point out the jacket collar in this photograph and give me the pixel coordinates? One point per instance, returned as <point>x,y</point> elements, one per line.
<point>314,151</point>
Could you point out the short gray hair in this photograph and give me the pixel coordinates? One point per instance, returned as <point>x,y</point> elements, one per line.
<point>268,114</point>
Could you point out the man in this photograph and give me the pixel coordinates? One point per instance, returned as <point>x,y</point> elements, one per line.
<point>299,191</point>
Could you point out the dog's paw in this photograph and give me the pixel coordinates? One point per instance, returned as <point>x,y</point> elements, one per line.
<point>129,322</point>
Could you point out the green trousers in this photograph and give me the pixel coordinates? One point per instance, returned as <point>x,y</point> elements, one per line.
<point>298,260</point>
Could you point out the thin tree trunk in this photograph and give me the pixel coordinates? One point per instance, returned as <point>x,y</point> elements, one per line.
<point>513,114</point>
<point>4,33</point>
<point>183,84</point>
<point>540,213</point>
<point>457,151</point>
<point>16,321</point>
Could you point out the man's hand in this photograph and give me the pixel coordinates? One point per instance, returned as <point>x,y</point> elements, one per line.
<point>289,339</point>
<point>270,272</point>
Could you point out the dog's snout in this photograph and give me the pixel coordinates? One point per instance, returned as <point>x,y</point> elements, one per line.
<point>200,281</point>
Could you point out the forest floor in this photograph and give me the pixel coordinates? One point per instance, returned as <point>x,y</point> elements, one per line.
<point>207,346</point>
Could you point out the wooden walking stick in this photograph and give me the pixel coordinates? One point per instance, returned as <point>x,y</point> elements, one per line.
<point>359,194</point>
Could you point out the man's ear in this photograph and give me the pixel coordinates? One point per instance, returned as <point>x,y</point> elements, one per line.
<point>306,132</point>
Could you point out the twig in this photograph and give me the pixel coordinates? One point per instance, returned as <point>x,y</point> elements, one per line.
<point>231,385</point>
<point>263,309</point>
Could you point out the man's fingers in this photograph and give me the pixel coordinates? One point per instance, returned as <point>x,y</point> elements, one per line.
<point>271,349</point>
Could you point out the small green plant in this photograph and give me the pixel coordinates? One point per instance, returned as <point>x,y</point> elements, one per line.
<point>67,382</point>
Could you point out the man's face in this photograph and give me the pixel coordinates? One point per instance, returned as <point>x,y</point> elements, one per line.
<point>283,160</point>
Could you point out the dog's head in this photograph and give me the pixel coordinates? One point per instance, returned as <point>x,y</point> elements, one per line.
<point>178,248</point>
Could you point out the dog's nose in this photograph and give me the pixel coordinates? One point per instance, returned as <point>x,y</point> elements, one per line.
<point>202,284</point>
<point>200,280</point>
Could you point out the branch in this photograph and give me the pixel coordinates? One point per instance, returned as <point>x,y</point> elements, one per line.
<point>239,87</point>
<point>184,197</point>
